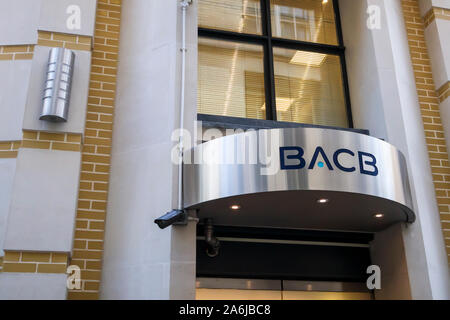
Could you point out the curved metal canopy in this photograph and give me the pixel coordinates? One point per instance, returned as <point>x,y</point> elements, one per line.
<point>305,178</point>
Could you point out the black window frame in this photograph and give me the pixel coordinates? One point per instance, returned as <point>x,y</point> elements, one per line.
<point>267,41</point>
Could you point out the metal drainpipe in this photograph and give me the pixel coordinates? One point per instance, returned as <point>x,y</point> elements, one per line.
<point>179,216</point>
<point>184,6</point>
<point>212,242</point>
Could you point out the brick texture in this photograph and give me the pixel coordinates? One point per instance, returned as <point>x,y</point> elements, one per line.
<point>51,141</point>
<point>35,262</point>
<point>9,149</point>
<point>444,92</point>
<point>20,52</point>
<point>47,39</point>
<point>73,42</point>
<point>429,107</point>
<point>96,151</point>
<point>436,13</point>
<point>41,140</point>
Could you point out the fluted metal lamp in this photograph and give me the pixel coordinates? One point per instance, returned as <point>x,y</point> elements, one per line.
<point>58,85</point>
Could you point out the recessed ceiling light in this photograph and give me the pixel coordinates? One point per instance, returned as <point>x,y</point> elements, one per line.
<point>323,201</point>
<point>378,215</point>
<point>283,104</point>
<point>235,207</point>
<point>308,58</point>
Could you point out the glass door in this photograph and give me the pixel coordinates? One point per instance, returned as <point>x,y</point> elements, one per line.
<point>248,289</point>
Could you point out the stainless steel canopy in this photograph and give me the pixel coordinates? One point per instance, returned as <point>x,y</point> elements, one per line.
<point>357,174</point>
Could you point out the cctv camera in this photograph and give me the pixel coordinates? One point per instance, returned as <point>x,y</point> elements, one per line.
<point>170,218</point>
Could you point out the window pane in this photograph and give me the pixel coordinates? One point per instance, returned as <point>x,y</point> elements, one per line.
<point>230,79</point>
<point>304,20</point>
<point>308,88</point>
<point>230,15</point>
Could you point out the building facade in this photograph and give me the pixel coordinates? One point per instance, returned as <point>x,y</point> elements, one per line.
<point>79,197</point>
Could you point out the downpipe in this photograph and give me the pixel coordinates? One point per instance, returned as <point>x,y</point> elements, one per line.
<point>213,244</point>
<point>179,215</point>
<point>184,6</point>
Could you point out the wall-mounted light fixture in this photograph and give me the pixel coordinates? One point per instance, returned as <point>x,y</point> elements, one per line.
<point>58,84</point>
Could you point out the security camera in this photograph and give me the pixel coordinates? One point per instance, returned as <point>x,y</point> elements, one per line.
<point>170,218</point>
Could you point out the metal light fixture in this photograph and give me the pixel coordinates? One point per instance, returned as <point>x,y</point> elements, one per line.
<point>58,85</point>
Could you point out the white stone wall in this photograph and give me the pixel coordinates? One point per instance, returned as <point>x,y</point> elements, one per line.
<point>18,21</point>
<point>426,5</point>
<point>140,260</point>
<point>14,80</point>
<point>143,262</point>
<point>38,190</point>
<point>43,201</point>
<point>7,170</point>
<point>54,13</point>
<point>385,63</point>
<point>25,286</point>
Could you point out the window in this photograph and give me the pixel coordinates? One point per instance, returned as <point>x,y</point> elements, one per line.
<point>277,60</point>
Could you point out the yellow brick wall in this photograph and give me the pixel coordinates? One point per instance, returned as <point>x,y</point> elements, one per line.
<point>47,39</point>
<point>41,140</point>
<point>436,13</point>
<point>9,149</point>
<point>22,52</point>
<point>35,262</point>
<point>51,141</point>
<point>72,42</point>
<point>96,151</point>
<point>429,107</point>
<point>444,91</point>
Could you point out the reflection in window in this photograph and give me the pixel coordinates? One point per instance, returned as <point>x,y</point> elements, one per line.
<point>230,79</point>
<point>301,84</point>
<point>231,15</point>
<point>308,88</point>
<point>306,20</point>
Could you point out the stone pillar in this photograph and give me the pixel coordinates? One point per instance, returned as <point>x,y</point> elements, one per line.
<point>436,24</point>
<point>141,261</point>
<point>385,101</point>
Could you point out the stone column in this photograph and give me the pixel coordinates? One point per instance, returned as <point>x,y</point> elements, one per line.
<point>385,101</point>
<point>141,261</point>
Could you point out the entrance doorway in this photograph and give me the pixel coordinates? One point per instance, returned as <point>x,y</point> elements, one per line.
<point>281,264</point>
<point>249,289</point>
